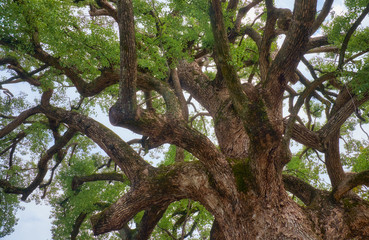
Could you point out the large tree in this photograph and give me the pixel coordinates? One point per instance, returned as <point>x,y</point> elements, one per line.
<point>216,80</point>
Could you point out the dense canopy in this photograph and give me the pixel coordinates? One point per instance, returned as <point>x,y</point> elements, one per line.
<point>249,119</point>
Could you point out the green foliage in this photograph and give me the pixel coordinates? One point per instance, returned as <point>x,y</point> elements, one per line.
<point>307,167</point>
<point>186,217</point>
<point>89,198</point>
<point>8,208</point>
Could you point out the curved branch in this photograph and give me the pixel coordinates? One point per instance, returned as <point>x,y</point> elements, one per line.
<point>77,224</point>
<point>184,180</point>
<point>79,180</point>
<point>19,120</point>
<point>122,154</point>
<point>149,221</point>
<point>351,181</point>
<point>23,74</point>
<point>308,90</point>
<point>107,10</point>
<point>322,15</point>
<point>340,116</point>
<point>107,78</point>
<point>350,32</point>
<point>42,164</point>
<point>242,13</point>
<point>304,191</point>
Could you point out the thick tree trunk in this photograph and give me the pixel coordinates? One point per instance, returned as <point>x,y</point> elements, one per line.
<point>260,219</point>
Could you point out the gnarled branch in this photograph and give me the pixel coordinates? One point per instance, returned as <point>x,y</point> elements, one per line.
<point>351,181</point>
<point>304,191</point>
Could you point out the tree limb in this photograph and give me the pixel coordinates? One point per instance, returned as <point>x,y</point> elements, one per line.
<point>107,10</point>
<point>79,180</point>
<point>307,91</point>
<point>322,15</point>
<point>122,154</point>
<point>305,136</point>
<point>125,109</point>
<point>351,181</point>
<point>77,224</point>
<point>340,116</point>
<point>149,221</point>
<point>304,191</point>
<point>350,32</point>
<point>19,120</point>
<point>242,13</point>
<point>42,163</point>
<point>186,180</point>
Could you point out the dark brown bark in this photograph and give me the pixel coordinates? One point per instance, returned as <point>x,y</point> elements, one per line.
<point>77,224</point>
<point>79,180</point>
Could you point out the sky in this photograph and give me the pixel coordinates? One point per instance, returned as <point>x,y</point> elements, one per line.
<point>34,222</point>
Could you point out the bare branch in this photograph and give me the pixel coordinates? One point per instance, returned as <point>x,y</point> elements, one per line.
<point>307,91</point>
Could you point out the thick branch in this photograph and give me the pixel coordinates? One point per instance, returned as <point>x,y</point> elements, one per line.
<point>184,180</point>
<point>140,197</point>
<point>9,188</point>
<point>79,180</point>
<point>305,136</point>
<point>107,10</point>
<point>351,181</point>
<point>297,38</point>
<point>77,224</point>
<point>317,42</point>
<point>19,120</point>
<point>122,154</point>
<point>304,191</point>
<point>242,13</point>
<point>127,102</point>
<point>340,116</point>
<point>149,221</point>
<point>322,15</point>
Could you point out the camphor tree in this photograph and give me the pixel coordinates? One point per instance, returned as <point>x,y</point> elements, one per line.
<point>206,77</point>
